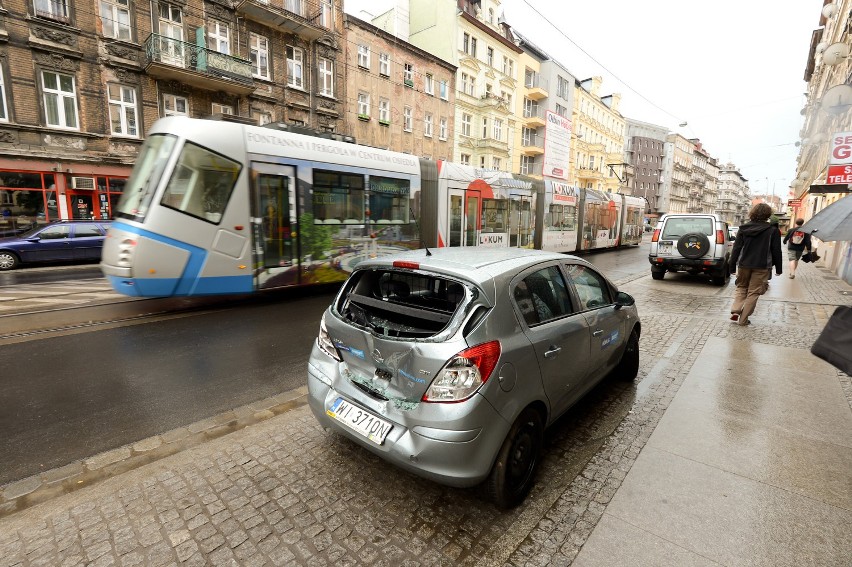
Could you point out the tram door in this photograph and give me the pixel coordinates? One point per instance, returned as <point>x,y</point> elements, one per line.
<point>273,211</point>
<point>464,213</point>
<point>520,221</point>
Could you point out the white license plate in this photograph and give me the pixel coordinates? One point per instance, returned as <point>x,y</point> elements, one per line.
<point>665,249</point>
<point>360,420</point>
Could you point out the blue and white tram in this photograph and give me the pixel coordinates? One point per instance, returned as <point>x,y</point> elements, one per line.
<point>216,208</point>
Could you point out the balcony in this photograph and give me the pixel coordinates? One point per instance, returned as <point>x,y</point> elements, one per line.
<point>532,146</point>
<point>196,66</point>
<point>534,117</point>
<point>288,16</point>
<point>534,169</point>
<point>587,173</point>
<point>536,85</point>
<point>493,145</point>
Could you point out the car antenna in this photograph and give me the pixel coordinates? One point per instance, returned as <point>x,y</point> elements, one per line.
<point>417,223</point>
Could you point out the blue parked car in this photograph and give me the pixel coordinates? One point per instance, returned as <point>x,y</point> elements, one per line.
<point>60,241</point>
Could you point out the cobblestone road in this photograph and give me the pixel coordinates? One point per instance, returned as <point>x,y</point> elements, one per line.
<point>283,492</point>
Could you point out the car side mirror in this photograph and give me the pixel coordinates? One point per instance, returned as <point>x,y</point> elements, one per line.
<point>623,299</point>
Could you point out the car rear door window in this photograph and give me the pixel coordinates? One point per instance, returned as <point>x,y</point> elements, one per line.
<point>542,296</point>
<point>592,289</point>
<point>677,227</point>
<point>86,229</point>
<point>55,232</point>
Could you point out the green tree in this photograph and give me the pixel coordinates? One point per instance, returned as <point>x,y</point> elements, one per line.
<point>315,238</point>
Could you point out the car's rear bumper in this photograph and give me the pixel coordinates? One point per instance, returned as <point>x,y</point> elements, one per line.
<point>700,264</point>
<point>456,451</point>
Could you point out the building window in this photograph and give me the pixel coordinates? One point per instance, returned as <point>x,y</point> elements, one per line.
<point>528,136</point>
<point>444,90</point>
<point>4,113</point>
<point>295,64</point>
<point>53,9</point>
<point>442,131</point>
<point>591,162</point>
<point>562,87</point>
<point>484,127</point>
<point>294,6</point>
<point>466,43</point>
<point>481,162</point>
<point>326,14</point>
<point>408,75</point>
<point>496,163</point>
<point>406,119</point>
<point>489,56</point>
<point>364,56</point>
<point>175,105</point>
<point>467,121</point>
<point>259,56</point>
<point>498,129</point>
<point>222,109</point>
<point>218,37</point>
<point>508,67</point>
<point>561,111</point>
<point>468,84</point>
<point>384,111</point>
<point>363,105</point>
<point>473,47</point>
<point>261,117</point>
<point>384,64</point>
<point>115,18</point>
<point>527,163</point>
<point>464,159</point>
<point>427,125</point>
<point>122,110</point>
<point>429,84</point>
<point>60,100</point>
<point>326,77</point>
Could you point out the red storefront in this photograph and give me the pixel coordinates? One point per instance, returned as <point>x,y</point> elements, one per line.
<point>36,192</point>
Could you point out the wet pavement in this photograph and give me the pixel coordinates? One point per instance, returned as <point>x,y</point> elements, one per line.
<point>733,448</point>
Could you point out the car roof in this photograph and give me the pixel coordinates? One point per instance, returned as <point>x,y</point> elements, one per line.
<point>472,263</point>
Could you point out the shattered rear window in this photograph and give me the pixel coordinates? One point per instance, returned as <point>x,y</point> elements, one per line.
<point>400,304</point>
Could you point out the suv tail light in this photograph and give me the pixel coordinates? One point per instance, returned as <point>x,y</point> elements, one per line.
<point>464,374</point>
<point>720,237</point>
<point>325,343</point>
<point>656,236</point>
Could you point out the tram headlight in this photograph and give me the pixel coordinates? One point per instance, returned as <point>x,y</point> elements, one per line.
<point>125,252</point>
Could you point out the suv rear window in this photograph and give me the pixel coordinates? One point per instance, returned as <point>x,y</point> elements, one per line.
<point>400,304</point>
<point>678,226</point>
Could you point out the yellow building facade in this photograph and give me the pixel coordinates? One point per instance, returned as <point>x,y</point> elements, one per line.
<point>598,139</point>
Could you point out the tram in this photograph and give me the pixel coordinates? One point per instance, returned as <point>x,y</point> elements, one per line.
<point>223,208</point>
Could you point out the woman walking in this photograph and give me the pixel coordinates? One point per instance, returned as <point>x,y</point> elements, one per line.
<point>754,244</point>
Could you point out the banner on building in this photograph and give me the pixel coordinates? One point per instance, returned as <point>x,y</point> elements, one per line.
<point>557,145</point>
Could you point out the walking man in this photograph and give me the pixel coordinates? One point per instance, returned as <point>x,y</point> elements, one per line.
<point>756,241</point>
<point>797,241</point>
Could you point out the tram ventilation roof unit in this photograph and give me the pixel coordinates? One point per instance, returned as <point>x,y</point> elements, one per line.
<point>296,129</point>
<point>83,183</point>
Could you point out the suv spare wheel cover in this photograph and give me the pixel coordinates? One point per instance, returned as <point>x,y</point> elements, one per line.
<point>693,245</point>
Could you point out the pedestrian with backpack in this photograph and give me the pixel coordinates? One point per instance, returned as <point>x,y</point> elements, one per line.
<point>756,241</point>
<point>797,241</point>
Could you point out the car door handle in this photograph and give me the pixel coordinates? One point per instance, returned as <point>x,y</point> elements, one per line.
<point>554,350</point>
<point>597,333</point>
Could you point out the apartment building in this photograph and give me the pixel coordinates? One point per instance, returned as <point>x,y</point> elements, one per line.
<point>733,198</point>
<point>83,81</point>
<point>599,130</point>
<point>644,150</point>
<point>401,98</point>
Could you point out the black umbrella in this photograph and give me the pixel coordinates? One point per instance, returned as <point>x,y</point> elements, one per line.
<point>833,222</point>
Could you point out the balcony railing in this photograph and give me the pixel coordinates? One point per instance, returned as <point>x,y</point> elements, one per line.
<point>533,141</point>
<point>534,112</point>
<point>176,53</point>
<point>535,81</point>
<point>531,168</point>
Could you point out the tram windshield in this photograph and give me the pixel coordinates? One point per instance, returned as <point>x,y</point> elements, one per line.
<point>139,190</point>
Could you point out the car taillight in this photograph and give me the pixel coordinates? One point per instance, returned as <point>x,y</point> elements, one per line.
<point>720,237</point>
<point>463,374</point>
<point>325,343</point>
<point>656,236</point>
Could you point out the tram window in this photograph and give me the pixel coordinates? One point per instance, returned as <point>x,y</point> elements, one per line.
<point>389,200</point>
<point>145,178</point>
<point>562,217</point>
<point>338,198</point>
<point>201,183</point>
<point>494,215</point>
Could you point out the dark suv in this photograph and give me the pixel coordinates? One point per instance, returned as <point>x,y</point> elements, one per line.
<point>59,241</point>
<point>694,243</point>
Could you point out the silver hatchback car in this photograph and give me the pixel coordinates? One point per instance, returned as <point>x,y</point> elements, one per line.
<point>450,363</point>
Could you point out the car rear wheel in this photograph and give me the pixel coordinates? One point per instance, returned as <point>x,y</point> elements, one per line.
<point>8,261</point>
<point>628,366</point>
<point>657,274</point>
<point>514,470</point>
<point>693,245</point>
<point>722,277</point>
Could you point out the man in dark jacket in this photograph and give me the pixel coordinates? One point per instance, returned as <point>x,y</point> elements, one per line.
<point>756,241</point>
<point>797,241</point>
